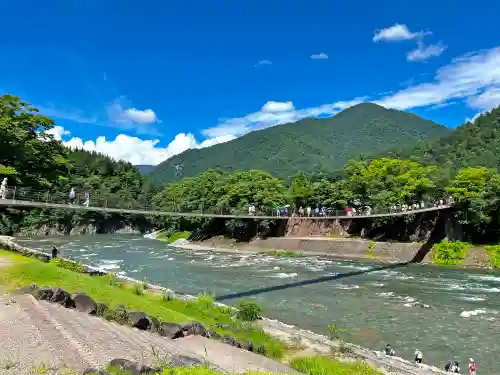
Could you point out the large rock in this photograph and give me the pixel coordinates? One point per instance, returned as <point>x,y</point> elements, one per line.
<point>171,330</point>
<point>139,320</point>
<point>230,341</point>
<point>30,289</point>
<point>214,335</point>
<point>155,325</point>
<point>195,329</point>
<point>180,360</point>
<point>131,367</point>
<point>84,303</point>
<point>62,297</point>
<point>44,294</point>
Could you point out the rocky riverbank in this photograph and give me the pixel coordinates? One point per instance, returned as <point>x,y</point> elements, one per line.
<point>311,342</point>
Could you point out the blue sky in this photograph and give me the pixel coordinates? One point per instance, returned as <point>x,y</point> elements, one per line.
<point>143,80</point>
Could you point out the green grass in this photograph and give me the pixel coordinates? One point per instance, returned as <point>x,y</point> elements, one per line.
<point>106,289</point>
<point>450,252</point>
<point>322,365</point>
<point>285,254</point>
<point>165,236</point>
<point>183,371</point>
<point>494,251</point>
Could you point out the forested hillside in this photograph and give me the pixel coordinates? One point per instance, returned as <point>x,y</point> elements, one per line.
<point>310,146</point>
<point>35,163</point>
<point>470,145</point>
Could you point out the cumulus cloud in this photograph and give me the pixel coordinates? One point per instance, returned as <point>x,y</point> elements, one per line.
<point>121,115</point>
<point>399,32</point>
<point>424,52</point>
<point>396,33</point>
<point>319,56</point>
<point>473,79</point>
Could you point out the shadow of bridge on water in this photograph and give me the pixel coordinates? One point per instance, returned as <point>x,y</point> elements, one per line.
<point>438,233</point>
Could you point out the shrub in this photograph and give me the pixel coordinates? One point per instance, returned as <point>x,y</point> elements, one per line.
<point>450,252</point>
<point>138,288</point>
<point>494,251</point>
<point>285,254</point>
<point>334,332</point>
<point>68,264</point>
<point>248,311</point>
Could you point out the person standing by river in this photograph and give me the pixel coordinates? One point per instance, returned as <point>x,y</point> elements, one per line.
<point>472,367</point>
<point>419,356</point>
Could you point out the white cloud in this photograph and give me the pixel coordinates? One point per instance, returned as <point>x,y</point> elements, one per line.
<point>263,62</point>
<point>271,106</point>
<point>396,33</point>
<point>319,56</point>
<point>424,52</point>
<point>57,132</point>
<point>466,77</point>
<point>121,115</point>
<point>473,78</point>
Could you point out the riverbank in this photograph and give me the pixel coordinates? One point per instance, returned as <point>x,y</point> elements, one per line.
<point>339,248</point>
<point>314,343</point>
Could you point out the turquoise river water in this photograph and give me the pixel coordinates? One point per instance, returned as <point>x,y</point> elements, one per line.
<point>446,313</point>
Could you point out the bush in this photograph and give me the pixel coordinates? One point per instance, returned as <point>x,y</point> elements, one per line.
<point>248,311</point>
<point>285,254</point>
<point>494,251</point>
<point>450,252</point>
<point>68,264</point>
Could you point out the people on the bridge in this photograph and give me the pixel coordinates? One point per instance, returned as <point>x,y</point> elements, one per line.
<point>353,210</point>
<point>55,252</point>
<point>472,367</point>
<point>87,199</point>
<point>72,196</point>
<point>3,189</point>
<point>452,366</point>
<point>308,209</point>
<point>419,356</point>
<point>389,350</point>
<point>301,211</point>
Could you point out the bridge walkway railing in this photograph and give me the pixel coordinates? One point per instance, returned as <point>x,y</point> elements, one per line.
<point>21,196</point>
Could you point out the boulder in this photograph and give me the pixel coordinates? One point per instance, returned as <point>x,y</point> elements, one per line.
<point>155,325</point>
<point>131,367</point>
<point>195,329</point>
<point>101,309</point>
<point>61,297</point>
<point>139,320</point>
<point>214,335</point>
<point>84,303</point>
<point>171,330</point>
<point>230,341</point>
<point>44,294</point>
<point>93,371</point>
<point>247,346</point>
<point>180,360</point>
<point>30,289</point>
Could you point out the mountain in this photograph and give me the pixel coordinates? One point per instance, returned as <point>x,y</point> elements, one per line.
<point>145,169</point>
<point>470,145</point>
<point>310,145</point>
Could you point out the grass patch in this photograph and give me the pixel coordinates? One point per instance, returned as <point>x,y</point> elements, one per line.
<point>322,365</point>
<point>369,249</point>
<point>450,252</point>
<point>183,371</point>
<point>106,289</point>
<point>285,254</point>
<point>494,251</point>
<point>172,237</point>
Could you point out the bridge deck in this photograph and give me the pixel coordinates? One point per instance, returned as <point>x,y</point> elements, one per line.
<point>35,204</point>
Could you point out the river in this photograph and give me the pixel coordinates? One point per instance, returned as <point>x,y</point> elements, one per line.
<point>462,318</point>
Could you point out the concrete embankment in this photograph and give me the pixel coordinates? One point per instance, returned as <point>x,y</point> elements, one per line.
<point>341,248</point>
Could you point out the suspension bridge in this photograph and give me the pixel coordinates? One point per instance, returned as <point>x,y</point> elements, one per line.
<point>42,199</point>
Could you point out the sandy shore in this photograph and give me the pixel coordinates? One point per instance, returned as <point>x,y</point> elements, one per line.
<point>309,342</point>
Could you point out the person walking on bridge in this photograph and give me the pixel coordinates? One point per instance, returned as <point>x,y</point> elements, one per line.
<point>87,199</point>
<point>72,196</point>
<point>472,367</point>
<point>3,189</point>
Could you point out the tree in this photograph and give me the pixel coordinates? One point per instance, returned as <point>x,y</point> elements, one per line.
<point>300,189</point>
<point>27,148</point>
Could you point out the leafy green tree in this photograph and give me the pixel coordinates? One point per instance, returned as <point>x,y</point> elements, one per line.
<point>301,189</point>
